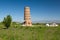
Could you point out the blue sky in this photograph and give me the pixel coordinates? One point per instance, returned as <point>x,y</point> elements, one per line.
<point>40,9</point>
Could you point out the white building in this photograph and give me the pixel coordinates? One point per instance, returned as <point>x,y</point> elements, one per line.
<point>47,24</point>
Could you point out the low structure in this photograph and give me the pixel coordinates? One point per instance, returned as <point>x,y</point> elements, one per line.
<point>53,24</point>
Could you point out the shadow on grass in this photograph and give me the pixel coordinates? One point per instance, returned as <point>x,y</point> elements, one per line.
<point>3,28</point>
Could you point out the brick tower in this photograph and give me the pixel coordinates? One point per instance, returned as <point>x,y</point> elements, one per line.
<point>27,18</point>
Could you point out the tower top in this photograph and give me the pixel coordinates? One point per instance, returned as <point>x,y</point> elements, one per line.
<point>27,7</point>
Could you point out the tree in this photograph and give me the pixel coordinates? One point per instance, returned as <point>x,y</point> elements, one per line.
<point>7,21</point>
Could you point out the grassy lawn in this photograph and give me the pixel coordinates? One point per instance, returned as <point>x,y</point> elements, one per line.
<point>29,33</point>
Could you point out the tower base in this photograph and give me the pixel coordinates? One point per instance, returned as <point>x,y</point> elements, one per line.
<point>27,23</point>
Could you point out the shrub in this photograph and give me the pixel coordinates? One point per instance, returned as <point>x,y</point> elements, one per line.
<point>7,21</point>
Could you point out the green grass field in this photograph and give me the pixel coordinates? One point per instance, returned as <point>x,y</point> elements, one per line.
<point>29,33</point>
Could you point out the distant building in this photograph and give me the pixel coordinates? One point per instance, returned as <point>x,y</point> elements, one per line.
<point>52,24</point>
<point>47,24</point>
